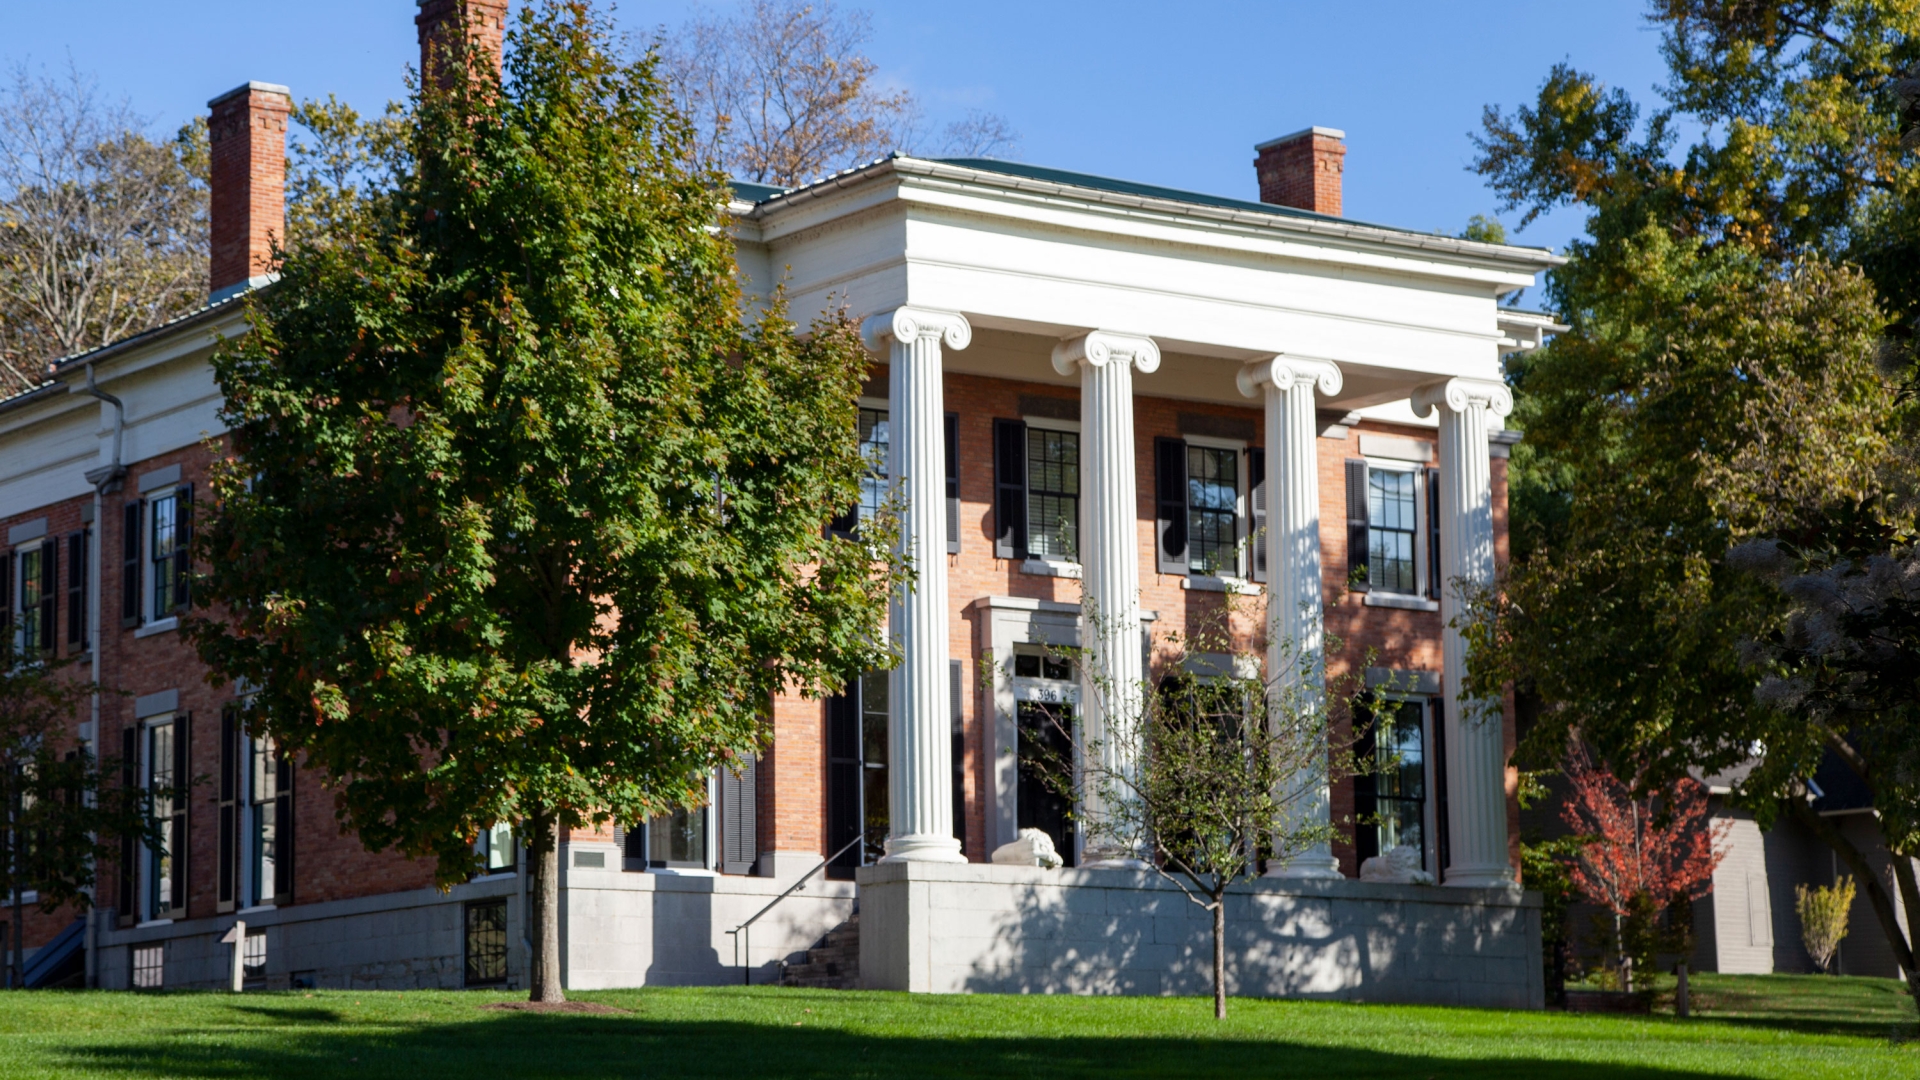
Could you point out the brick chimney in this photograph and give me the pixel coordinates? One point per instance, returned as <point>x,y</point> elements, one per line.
<point>484,22</point>
<point>247,137</point>
<point>1302,170</point>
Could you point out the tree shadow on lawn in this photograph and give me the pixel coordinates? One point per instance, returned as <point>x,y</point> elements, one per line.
<point>1861,1007</point>
<point>522,1045</point>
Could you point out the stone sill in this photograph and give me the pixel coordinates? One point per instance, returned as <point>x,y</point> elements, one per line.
<point>1395,600</point>
<point>159,626</point>
<point>1206,583</point>
<point>1050,568</point>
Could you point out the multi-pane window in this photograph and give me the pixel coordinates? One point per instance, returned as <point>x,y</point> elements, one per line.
<point>678,839</point>
<point>1213,510</point>
<point>160,780</point>
<point>1399,775</point>
<point>1392,529</point>
<point>1044,721</point>
<point>254,958</point>
<point>486,942</point>
<point>148,966</point>
<point>263,787</point>
<point>857,806</point>
<point>875,435</point>
<point>164,543</point>
<point>34,611</point>
<point>1053,494</point>
<point>497,849</point>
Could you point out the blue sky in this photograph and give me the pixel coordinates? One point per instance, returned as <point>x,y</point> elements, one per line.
<point>1173,94</point>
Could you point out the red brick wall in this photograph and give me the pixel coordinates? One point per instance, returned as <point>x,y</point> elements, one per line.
<point>247,143</point>
<point>1304,172</point>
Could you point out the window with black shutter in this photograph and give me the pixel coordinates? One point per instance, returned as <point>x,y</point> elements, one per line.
<point>6,606</point>
<point>77,569</point>
<point>1357,530</point>
<point>231,754</point>
<point>283,829</point>
<point>956,680</point>
<point>1170,502</point>
<point>183,548</point>
<point>182,790</point>
<point>1443,828</point>
<point>1434,578</point>
<point>1257,499</point>
<point>953,483</point>
<point>49,592</point>
<point>1009,489</point>
<point>739,841</point>
<point>131,534</point>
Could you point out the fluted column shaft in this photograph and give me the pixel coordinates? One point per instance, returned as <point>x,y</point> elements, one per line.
<point>1476,743</point>
<point>1114,675</point>
<point>919,746</point>
<point>1296,624</point>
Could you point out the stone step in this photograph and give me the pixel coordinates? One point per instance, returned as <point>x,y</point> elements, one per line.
<point>832,964</point>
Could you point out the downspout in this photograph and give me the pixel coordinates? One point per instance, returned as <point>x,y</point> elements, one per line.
<point>103,480</point>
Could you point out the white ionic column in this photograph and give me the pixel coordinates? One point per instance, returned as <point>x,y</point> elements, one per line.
<point>919,726</point>
<point>1476,746</point>
<point>1112,679</point>
<point>1296,627</point>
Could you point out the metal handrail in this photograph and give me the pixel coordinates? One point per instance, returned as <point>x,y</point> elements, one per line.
<point>746,970</point>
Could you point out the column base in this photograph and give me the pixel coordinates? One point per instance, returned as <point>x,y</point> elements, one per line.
<point>1309,865</point>
<point>923,848</point>
<point>1481,877</point>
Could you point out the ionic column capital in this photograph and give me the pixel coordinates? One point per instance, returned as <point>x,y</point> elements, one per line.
<point>1459,395</point>
<point>1097,348</point>
<point>907,324</point>
<point>1287,373</point>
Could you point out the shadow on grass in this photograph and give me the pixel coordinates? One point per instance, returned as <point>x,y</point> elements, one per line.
<point>1808,1004</point>
<point>522,1045</point>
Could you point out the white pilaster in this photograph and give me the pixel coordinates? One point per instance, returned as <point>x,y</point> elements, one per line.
<point>1296,627</point>
<point>919,731</point>
<point>1113,679</point>
<point>1476,746</point>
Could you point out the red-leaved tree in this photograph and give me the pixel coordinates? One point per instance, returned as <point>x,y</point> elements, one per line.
<point>1645,854</point>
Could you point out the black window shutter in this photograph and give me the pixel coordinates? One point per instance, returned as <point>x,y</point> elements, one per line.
<point>953,483</point>
<point>956,680</point>
<point>130,562</point>
<point>633,844</point>
<point>49,589</point>
<point>230,754</point>
<point>1170,501</point>
<point>6,603</point>
<point>1443,830</point>
<point>77,588</point>
<point>1366,831</point>
<point>129,851</point>
<point>1433,534</point>
<point>1257,503</point>
<point>182,788</point>
<point>183,546</point>
<point>737,840</point>
<point>1357,524</point>
<point>1010,489</point>
<point>844,820</point>
<point>283,827</point>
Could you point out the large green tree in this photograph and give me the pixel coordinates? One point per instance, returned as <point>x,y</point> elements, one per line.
<point>524,522</point>
<point>1741,312</point>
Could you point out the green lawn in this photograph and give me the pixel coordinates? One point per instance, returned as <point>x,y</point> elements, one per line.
<point>1778,1026</point>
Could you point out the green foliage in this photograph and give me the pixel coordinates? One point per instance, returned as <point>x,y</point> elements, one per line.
<point>522,521</point>
<point>1484,229</point>
<point>62,809</point>
<point>1823,912</point>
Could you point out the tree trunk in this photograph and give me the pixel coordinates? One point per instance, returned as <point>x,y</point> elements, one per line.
<point>1219,957</point>
<point>1682,1005</point>
<point>543,855</point>
<point>1622,961</point>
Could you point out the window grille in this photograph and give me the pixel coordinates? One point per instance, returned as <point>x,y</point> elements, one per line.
<point>1053,494</point>
<point>1393,525</point>
<point>1213,506</point>
<point>254,959</point>
<point>148,966</point>
<point>487,942</point>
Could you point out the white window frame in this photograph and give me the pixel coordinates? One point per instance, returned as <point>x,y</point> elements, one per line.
<point>1420,529</point>
<point>1430,798</point>
<point>249,828</point>
<point>145,901</point>
<point>1242,576</point>
<point>1049,565</point>
<point>151,621</point>
<point>711,838</point>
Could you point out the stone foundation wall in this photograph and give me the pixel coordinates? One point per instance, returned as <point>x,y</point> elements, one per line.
<point>1007,929</point>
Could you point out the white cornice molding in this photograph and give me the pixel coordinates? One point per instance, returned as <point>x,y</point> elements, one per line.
<point>904,324</point>
<point>1460,394</point>
<point>1286,373</point>
<point>1098,348</point>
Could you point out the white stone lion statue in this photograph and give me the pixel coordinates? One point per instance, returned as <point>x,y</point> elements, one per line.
<point>1398,866</point>
<point>1032,848</point>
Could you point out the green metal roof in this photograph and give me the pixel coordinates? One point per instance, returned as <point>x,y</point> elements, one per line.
<point>749,191</point>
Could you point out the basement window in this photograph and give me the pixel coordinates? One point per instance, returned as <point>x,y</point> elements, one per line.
<point>487,942</point>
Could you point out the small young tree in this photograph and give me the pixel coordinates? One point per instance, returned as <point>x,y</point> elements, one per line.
<point>59,814</point>
<point>1823,912</point>
<point>1223,767</point>
<point>524,525</point>
<point>1647,854</point>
